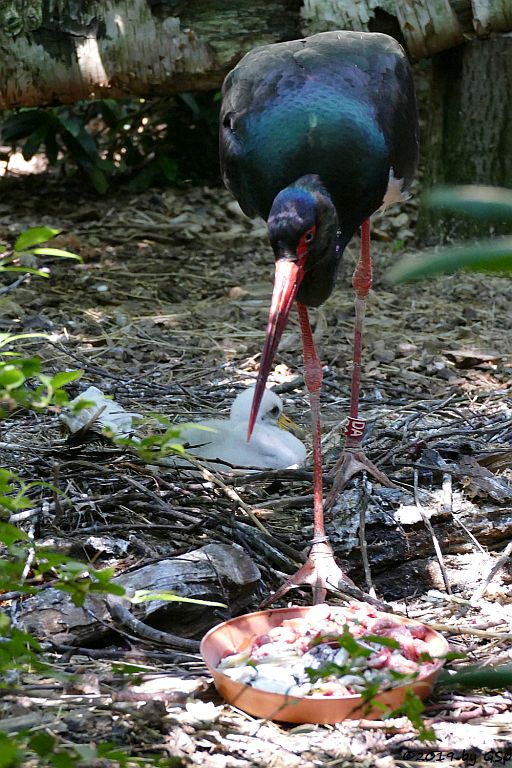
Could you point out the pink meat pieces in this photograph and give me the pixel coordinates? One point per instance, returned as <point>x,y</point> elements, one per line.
<point>419,631</point>
<point>398,663</point>
<point>380,659</point>
<point>260,640</point>
<point>316,639</point>
<point>409,637</point>
<point>380,625</point>
<point>404,638</point>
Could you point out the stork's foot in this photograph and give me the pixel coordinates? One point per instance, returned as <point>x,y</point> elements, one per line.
<point>320,571</point>
<point>351,462</point>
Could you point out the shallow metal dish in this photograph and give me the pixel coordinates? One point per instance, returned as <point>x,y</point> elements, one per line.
<point>235,634</point>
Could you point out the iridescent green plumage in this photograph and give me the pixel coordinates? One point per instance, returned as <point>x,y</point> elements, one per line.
<point>315,135</point>
<point>338,104</point>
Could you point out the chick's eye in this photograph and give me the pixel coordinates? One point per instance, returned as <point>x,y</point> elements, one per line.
<point>274,412</point>
<point>309,235</point>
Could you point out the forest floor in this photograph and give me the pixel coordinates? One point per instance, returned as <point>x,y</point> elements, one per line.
<point>167,314</point>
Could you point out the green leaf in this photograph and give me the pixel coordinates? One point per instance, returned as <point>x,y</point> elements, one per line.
<point>9,534</point>
<point>45,380</point>
<point>454,655</point>
<point>98,179</point>
<point>388,642</point>
<point>42,743</point>
<point>79,579</point>
<point>64,377</point>
<point>85,752</point>
<point>8,338</point>
<point>191,102</point>
<point>34,141</point>
<point>52,147</point>
<point>71,568</point>
<point>143,179</point>
<point>496,678</point>
<point>34,236</point>
<point>10,376</point>
<point>369,693</point>
<point>25,271</point>
<point>413,708</point>
<point>79,141</point>
<point>111,112</point>
<point>60,398</point>
<point>347,641</point>
<point>5,624</point>
<point>30,366</point>
<point>83,149</point>
<point>144,596</point>
<point>326,670</point>
<point>488,256</point>
<point>55,252</point>
<point>22,124</point>
<point>111,752</point>
<point>105,574</point>
<point>168,167</point>
<point>10,753</point>
<point>488,203</point>
<point>64,760</point>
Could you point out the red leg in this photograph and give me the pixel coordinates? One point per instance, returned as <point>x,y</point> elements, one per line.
<point>353,460</point>
<point>320,569</point>
<point>362,280</point>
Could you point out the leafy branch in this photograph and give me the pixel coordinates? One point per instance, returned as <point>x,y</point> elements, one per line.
<point>486,203</point>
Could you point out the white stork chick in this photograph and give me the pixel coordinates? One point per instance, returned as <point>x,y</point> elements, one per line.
<point>272,446</point>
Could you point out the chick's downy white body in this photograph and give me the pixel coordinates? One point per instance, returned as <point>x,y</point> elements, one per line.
<point>270,447</point>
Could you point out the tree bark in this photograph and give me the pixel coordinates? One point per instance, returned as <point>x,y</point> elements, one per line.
<point>58,51</point>
<point>216,572</point>
<point>469,138</point>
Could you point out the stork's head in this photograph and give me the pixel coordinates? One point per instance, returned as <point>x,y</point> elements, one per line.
<point>302,227</point>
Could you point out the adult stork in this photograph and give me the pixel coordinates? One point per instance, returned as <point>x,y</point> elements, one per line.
<point>316,134</point>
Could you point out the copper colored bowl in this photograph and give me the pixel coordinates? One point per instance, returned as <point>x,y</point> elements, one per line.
<point>236,634</point>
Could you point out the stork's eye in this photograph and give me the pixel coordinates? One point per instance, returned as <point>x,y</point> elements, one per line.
<point>229,121</point>
<point>305,240</point>
<point>274,412</point>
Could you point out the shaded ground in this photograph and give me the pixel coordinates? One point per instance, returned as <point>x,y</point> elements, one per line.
<point>167,314</point>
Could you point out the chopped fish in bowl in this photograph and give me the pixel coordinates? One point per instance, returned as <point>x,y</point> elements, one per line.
<point>322,664</point>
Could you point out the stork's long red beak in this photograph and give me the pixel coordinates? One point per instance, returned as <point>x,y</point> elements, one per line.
<point>287,278</point>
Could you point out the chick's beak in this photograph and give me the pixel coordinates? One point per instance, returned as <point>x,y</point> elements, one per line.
<point>287,278</point>
<point>283,422</point>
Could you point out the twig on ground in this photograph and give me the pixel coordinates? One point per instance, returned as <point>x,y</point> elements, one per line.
<point>435,541</point>
<point>210,477</point>
<point>5,289</point>
<point>500,562</point>
<point>126,618</point>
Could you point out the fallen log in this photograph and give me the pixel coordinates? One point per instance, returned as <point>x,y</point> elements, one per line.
<point>216,573</point>
<point>62,51</point>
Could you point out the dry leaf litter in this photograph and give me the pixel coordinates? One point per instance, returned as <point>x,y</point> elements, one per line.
<point>167,314</point>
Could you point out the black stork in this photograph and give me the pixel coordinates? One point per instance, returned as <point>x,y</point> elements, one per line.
<point>316,135</point>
